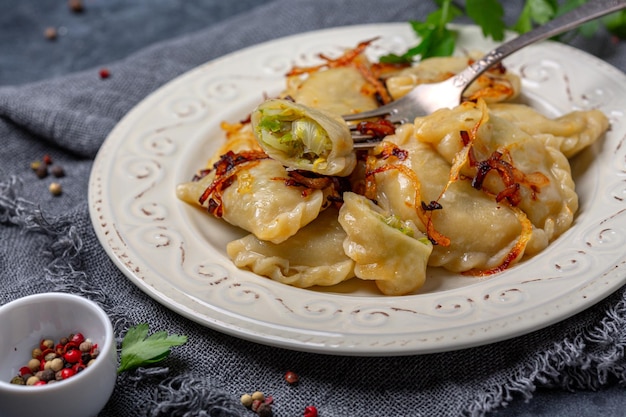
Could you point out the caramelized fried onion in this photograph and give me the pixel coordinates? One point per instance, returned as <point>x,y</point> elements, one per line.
<point>226,169</point>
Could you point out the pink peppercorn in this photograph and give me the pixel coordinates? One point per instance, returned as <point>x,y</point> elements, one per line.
<point>72,356</point>
<point>104,73</point>
<point>310,411</point>
<point>291,377</point>
<point>67,373</point>
<point>255,405</point>
<point>77,367</point>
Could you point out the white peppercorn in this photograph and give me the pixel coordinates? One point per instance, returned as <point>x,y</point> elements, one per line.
<point>246,400</point>
<point>85,346</point>
<point>34,365</point>
<point>55,364</point>
<point>32,380</point>
<point>55,189</point>
<point>258,395</point>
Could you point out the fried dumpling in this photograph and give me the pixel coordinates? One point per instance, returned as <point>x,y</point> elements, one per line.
<point>507,162</point>
<point>246,188</point>
<point>313,256</point>
<point>304,138</point>
<point>340,90</point>
<point>570,133</point>
<point>392,252</point>
<point>257,196</point>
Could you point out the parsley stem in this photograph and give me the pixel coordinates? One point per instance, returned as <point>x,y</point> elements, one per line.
<point>445,11</point>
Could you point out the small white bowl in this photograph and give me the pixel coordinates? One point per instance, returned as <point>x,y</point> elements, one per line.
<point>23,324</point>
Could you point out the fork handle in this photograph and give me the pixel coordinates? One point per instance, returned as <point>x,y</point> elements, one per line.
<point>588,11</point>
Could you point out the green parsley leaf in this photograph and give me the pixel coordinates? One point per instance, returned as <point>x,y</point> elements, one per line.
<point>435,38</point>
<point>139,349</point>
<point>569,5</point>
<point>535,12</point>
<point>588,29</point>
<point>488,14</point>
<point>616,23</point>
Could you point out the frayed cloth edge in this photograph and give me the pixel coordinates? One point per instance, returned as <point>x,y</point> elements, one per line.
<point>587,361</point>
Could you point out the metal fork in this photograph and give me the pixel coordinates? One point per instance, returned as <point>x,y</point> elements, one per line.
<point>426,98</point>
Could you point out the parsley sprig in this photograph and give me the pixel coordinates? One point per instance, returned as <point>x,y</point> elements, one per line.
<point>436,39</point>
<point>139,349</point>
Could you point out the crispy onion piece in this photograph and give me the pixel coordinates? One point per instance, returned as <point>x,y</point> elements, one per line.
<point>334,187</point>
<point>492,85</point>
<point>424,211</point>
<point>379,87</point>
<point>466,154</point>
<point>511,177</point>
<point>226,169</point>
<point>353,57</point>
<point>347,58</point>
<point>498,162</point>
<point>378,129</point>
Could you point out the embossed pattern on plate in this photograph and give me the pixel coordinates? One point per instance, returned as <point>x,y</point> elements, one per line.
<point>176,254</point>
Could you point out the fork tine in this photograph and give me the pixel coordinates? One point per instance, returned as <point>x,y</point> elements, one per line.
<point>366,144</point>
<point>370,140</point>
<point>389,112</point>
<point>358,137</point>
<point>379,112</point>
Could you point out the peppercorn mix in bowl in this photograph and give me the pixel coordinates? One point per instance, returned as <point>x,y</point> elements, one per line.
<point>57,356</point>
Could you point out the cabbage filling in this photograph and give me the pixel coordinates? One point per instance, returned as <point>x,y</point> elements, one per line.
<point>397,223</point>
<point>289,131</point>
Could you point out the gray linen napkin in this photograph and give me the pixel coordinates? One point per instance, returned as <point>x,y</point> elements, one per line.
<point>48,244</point>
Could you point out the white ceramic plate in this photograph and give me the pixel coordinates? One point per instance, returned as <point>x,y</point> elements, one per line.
<point>176,253</point>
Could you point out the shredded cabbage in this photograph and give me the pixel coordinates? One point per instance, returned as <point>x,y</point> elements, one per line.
<point>397,223</point>
<point>289,131</point>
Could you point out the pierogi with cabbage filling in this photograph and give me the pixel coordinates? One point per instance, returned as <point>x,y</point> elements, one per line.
<point>473,189</point>
<point>387,250</point>
<point>303,137</point>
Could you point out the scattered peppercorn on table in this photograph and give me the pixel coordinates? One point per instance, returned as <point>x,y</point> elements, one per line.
<point>71,71</point>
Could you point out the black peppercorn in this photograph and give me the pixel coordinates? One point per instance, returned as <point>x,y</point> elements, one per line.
<point>18,380</point>
<point>57,171</point>
<point>47,375</point>
<point>42,171</point>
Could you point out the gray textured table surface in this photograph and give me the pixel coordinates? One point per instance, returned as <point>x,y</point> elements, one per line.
<point>107,31</point>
